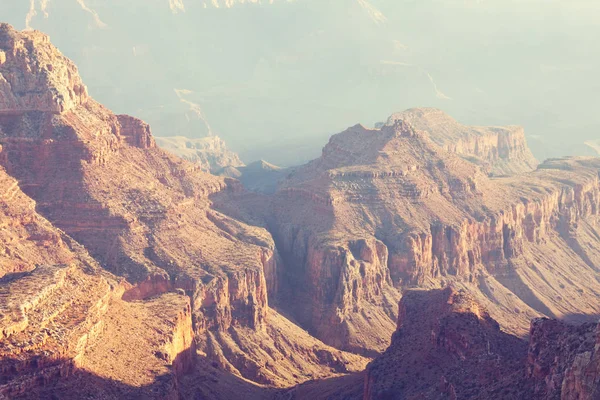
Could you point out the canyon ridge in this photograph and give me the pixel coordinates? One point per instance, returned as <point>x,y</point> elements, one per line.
<point>423,259</point>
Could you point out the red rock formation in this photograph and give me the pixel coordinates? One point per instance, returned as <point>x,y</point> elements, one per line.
<point>447,346</point>
<point>563,360</point>
<point>136,132</point>
<point>524,245</point>
<point>100,178</point>
<point>145,215</point>
<point>28,63</point>
<point>499,150</point>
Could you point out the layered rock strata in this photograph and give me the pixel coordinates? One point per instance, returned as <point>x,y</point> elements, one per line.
<point>499,150</point>
<point>386,209</point>
<point>447,346</point>
<point>143,215</point>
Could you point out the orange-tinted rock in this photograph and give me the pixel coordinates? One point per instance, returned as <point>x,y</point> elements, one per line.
<point>147,216</point>
<point>564,360</point>
<point>447,346</point>
<point>34,76</point>
<point>523,245</point>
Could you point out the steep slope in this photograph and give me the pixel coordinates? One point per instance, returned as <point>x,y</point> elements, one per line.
<point>144,214</point>
<point>564,360</point>
<point>447,347</point>
<point>499,150</point>
<point>26,238</point>
<point>383,210</point>
<point>57,307</point>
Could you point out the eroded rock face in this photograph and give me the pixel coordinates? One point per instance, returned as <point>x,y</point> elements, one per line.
<point>448,346</point>
<point>34,76</point>
<point>499,150</point>
<point>101,179</point>
<point>563,360</point>
<point>58,306</point>
<point>429,217</point>
<point>145,216</point>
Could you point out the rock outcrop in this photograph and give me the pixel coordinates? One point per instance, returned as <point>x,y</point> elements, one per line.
<point>564,360</point>
<point>448,347</point>
<point>97,180</point>
<point>499,150</point>
<point>386,209</point>
<point>34,76</point>
<point>59,309</point>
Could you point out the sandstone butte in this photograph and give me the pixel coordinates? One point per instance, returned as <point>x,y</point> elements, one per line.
<point>127,272</point>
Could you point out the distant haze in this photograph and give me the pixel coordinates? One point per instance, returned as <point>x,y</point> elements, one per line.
<point>275,79</point>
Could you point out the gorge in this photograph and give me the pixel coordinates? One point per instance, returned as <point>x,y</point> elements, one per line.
<point>421,258</point>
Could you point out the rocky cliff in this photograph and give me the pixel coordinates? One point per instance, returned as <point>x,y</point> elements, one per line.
<point>28,63</point>
<point>143,215</point>
<point>386,209</point>
<point>563,360</point>
<point>499,150</point>
<point>448,347</point>
<point>57,306</point>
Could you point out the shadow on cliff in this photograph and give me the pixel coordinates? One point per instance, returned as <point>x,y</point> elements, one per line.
<point>53,379</point>
<point>579,318</point>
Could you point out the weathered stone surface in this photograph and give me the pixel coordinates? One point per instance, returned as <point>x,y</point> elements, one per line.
<point>564,360</point>
<point>524,245</point>
<point>499,150</point>
<point>448,347</point>
<point>34,76</point>
<point>146,216</point>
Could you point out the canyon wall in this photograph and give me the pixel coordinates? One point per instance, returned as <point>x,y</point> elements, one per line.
<point>28,63</point>
<point>524,244</point>
<point>499,150</point>
<point>563,360</point>
<point>447,346</point>
<point>144,215</point>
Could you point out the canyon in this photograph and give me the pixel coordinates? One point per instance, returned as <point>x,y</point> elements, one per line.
<point>422,259</point>
<point>155,259</point>
<point>384,210</point>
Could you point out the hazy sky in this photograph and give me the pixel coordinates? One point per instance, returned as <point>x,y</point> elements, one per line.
<point>275,80</point>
